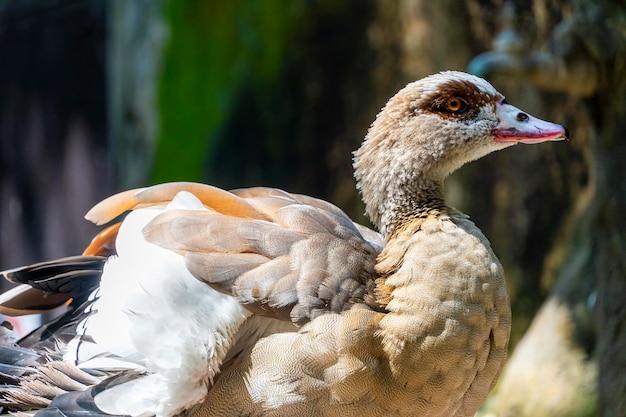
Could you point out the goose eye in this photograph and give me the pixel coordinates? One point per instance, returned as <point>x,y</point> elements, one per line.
<point>455,105</point>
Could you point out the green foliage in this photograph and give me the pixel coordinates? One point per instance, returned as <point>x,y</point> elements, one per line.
<point>213,47</point>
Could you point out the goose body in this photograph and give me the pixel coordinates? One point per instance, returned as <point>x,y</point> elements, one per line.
<point>257,302</point>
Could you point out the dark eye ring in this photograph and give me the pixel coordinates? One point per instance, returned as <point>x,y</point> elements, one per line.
<point>455,105</point>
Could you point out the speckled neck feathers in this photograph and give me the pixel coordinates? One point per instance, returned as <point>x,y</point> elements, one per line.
<point>429,129</point>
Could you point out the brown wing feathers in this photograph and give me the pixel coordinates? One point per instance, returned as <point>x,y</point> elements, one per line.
<point>284,255</point>
<point>285,258</point>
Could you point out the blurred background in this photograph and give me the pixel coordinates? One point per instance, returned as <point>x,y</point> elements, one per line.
<point>98,96</point>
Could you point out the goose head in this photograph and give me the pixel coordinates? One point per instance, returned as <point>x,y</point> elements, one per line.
<point>426,131</point>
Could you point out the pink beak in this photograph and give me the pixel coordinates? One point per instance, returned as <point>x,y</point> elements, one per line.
<point>517,126</point>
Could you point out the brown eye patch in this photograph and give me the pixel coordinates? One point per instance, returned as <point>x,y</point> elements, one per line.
<point>456,99</point>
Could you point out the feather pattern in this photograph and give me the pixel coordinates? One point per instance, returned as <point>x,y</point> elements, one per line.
<point>317,251</point>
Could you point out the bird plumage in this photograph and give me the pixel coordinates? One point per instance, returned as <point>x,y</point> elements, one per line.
<point>258,302</point>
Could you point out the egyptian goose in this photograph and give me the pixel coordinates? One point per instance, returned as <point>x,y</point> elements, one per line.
<point>258,302</point>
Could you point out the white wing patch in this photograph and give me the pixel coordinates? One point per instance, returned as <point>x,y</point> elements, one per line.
<point>152,315</point>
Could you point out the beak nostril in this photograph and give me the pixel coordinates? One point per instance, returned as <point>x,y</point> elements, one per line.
<point>521,117</point>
